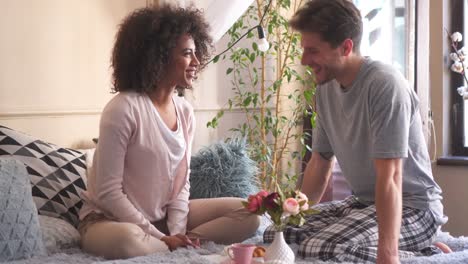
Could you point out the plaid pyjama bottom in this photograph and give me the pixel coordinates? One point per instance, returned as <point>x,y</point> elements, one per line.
<point>347,231</point>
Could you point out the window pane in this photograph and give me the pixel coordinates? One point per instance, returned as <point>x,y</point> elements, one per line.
<point>387,34</point>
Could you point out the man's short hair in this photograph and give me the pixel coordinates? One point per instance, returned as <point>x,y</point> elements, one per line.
<point>333,20</point>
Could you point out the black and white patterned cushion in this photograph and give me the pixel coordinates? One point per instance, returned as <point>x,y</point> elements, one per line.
<point>58,175</point>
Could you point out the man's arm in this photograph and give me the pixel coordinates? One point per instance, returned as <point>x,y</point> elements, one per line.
<point>316,176</point>
<point>388,201</point>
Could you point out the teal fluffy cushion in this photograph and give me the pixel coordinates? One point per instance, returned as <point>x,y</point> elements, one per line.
<point>223,169</point>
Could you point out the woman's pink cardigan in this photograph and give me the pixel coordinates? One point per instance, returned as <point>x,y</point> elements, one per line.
<point>130,178</point>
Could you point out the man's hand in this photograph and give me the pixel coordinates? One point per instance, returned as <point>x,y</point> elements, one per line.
<point>179,240</point>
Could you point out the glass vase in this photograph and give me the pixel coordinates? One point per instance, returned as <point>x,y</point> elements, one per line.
<point>279,251</point>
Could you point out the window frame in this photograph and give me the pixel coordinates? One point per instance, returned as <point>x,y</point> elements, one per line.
<point>457,10</point>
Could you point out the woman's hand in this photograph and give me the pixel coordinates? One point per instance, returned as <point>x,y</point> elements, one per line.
<point>179,240</point>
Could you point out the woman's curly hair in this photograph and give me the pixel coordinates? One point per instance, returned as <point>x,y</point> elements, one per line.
<point>144,42</point>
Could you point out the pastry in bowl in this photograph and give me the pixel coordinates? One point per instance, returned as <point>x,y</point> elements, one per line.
<point>259,252</point>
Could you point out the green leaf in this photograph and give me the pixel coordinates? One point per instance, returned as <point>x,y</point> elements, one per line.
<point>270,28</point>
<point>301,221</point>
<point>247,101</point>
<point>220,114</point>
<point>310,211</point>
<point>213,123</point>
<point>294,220</point>
<point>313,118</point>
<point>308,95</point>
<point>229,70</point>
<point>252,57</point>
<point>255,46</point>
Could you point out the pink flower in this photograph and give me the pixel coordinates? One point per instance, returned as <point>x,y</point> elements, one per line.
<point>305,206</point>
<point>254,203</point>
<point>288,208</point>
<point>262,193</point>
<point>302,197</point>
<point>291,206</point>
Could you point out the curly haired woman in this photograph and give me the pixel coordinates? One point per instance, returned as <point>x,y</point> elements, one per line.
<point>137,201</point>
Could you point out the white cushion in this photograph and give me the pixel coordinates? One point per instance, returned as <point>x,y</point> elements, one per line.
<point>58,234</point>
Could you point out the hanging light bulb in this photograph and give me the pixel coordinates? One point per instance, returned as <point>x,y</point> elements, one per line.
<point>263,44</point>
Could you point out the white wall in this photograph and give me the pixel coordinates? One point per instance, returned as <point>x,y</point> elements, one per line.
<point>54,70</point>
<point>54,67</point>
<point>209,95</point>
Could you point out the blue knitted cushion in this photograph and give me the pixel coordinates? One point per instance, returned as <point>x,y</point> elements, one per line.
<point>223,169</point>
<point>20,234</point>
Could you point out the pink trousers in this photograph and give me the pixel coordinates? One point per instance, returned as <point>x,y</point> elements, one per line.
<point>222,220</point>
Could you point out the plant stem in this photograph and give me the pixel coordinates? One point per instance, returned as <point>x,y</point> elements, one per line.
<point>249,121</point>
<point>281,64</point>
<point>278,102</point>
<point>263,167</point>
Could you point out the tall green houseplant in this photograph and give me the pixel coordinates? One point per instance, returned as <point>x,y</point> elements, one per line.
<point>273,91</point>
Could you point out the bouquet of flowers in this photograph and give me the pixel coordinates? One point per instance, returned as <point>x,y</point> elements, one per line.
<point>282,208</point>
<point>458,57</point>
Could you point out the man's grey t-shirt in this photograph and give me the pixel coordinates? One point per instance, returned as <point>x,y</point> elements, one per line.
<point>377,117</point>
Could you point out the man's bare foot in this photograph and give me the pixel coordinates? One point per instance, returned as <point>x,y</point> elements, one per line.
<point>443,247</point>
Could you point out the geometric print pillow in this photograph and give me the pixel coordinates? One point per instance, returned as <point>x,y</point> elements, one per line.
<point>57,175</point>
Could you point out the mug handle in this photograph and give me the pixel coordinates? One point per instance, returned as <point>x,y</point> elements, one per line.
<point>230,253</point>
